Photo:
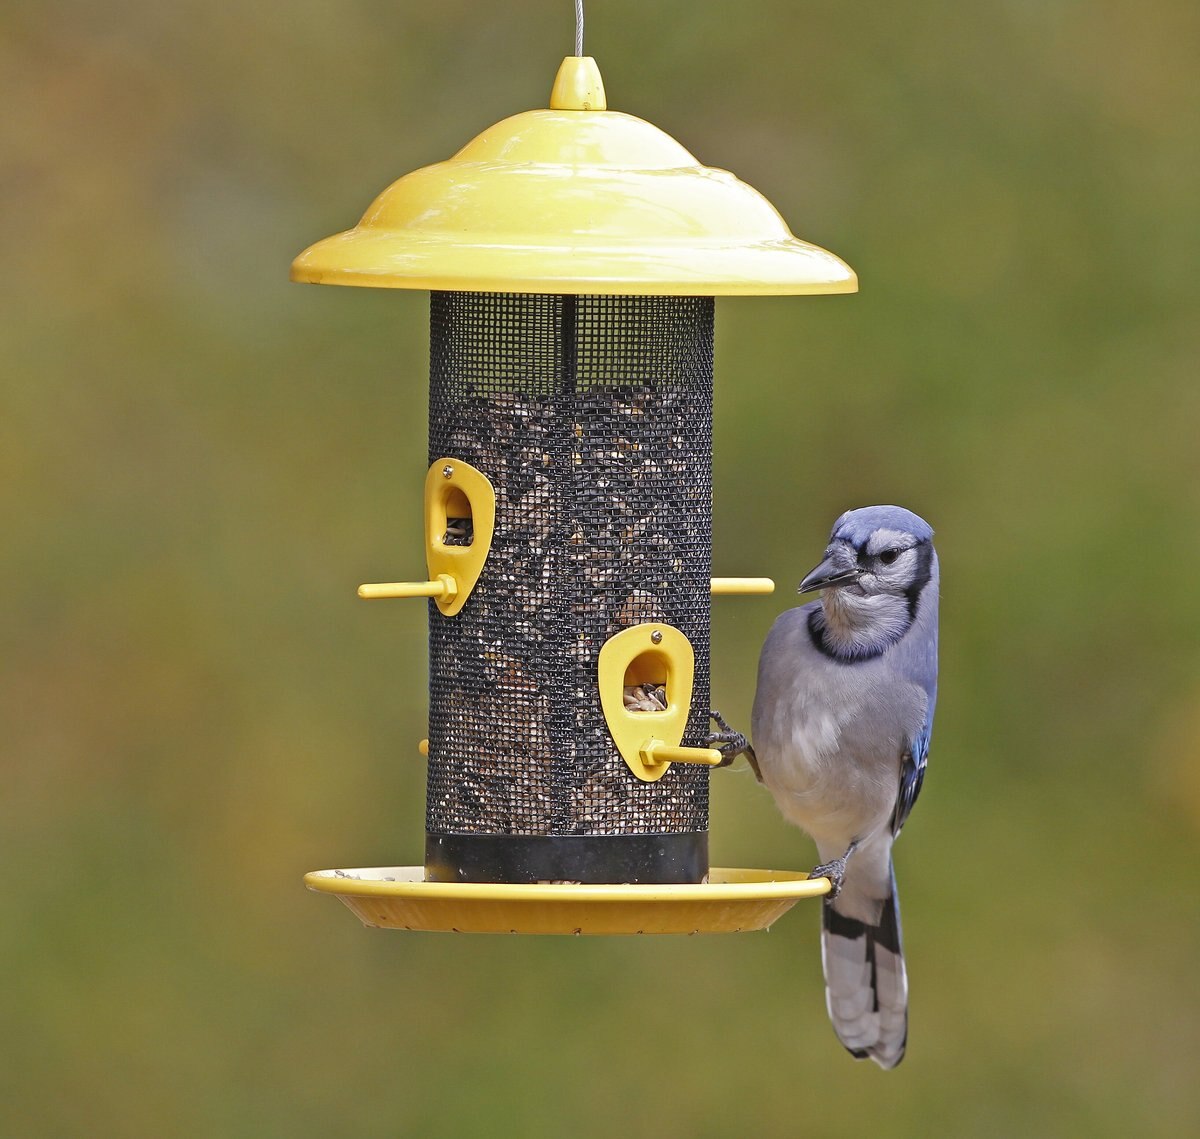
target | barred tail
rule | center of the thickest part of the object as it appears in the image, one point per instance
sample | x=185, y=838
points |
x=866, y=986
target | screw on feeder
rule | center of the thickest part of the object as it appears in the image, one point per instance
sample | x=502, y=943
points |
x=656, y=636
x=447, y=471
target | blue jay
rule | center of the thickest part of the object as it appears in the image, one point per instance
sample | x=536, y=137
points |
x=841, y=725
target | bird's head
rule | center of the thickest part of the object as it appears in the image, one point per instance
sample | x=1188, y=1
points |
x=878, y=565
x=876, y=550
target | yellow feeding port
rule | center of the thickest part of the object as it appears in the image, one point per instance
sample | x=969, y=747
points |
x=574, y=199
x=460, y=518
x=645, y=675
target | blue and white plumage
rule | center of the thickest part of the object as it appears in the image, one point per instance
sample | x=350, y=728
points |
x=842, y=719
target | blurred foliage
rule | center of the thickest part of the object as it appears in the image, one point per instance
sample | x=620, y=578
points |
x=199, y=461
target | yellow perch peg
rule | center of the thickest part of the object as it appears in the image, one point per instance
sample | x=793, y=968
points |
x=423, y=747
x=655, y=751
x=742, y=585
x=443, y=586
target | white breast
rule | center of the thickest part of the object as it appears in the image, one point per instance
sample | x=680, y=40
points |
x=828, y=743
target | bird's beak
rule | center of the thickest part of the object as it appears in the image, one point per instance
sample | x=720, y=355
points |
x=828, y=574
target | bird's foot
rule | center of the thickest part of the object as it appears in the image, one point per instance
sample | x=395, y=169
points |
x=835, y=871
x=729, y=743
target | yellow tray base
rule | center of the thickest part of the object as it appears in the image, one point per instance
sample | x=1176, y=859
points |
x=731, y=901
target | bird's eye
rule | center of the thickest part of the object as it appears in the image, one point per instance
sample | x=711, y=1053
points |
x=889, y=556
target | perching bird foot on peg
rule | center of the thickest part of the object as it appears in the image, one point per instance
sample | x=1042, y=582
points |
x=835, y=871
x=731, y=744
x=728, y=742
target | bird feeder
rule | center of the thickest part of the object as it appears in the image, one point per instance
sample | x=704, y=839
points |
x=572, y=255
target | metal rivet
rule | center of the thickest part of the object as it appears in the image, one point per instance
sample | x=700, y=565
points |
x=447, y=471
x=656, y=636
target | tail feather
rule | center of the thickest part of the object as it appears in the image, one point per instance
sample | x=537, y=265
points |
x=866, y=985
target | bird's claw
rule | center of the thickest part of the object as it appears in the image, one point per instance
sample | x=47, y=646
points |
x=729, y=743
x=835, y=871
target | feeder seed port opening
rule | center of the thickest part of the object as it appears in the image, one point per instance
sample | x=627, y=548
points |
x=568, y=228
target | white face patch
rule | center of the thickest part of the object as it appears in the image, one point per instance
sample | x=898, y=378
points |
x=889, y=540
x=859, y=623
x=893, y=560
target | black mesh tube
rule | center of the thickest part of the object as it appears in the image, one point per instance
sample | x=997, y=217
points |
x=592, y=417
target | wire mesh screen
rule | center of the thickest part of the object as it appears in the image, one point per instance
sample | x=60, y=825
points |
x=592, y=417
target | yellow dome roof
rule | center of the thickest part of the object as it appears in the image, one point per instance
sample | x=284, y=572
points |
x=574, y=199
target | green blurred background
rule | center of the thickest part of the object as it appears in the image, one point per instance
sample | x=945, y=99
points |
x=200, y=461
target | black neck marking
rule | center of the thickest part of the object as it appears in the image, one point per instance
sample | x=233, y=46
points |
x=920, y=578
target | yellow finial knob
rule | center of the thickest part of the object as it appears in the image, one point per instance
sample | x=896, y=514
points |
x=578, y=86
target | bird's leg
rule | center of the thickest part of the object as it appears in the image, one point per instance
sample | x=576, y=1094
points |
x=835, y=871
x=731, y=744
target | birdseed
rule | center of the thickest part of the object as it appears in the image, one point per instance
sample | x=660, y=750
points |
x=603, y=521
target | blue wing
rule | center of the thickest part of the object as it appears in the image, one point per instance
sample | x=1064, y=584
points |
x=912, y=771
